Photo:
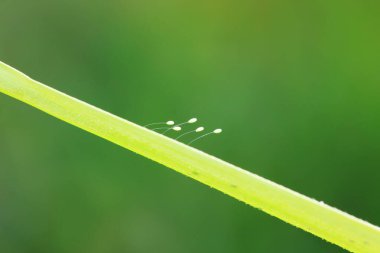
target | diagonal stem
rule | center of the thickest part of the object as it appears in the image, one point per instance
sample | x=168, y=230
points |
x=310, y=215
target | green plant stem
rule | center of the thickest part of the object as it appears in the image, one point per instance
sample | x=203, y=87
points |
x=310, y=215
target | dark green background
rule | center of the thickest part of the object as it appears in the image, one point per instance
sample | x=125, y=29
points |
x=294, y=84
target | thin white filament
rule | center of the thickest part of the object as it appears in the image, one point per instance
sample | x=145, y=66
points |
x=216, y=131
x=199, y=129
x=169, y=123
x=190, y=121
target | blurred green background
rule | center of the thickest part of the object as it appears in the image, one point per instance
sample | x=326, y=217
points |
x=294, y=84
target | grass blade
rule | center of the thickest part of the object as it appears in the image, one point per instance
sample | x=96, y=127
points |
x=317, y=218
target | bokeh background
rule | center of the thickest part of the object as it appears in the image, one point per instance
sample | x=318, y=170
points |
x=294, y=84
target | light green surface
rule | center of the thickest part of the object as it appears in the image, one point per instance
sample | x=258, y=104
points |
x=313, y=216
